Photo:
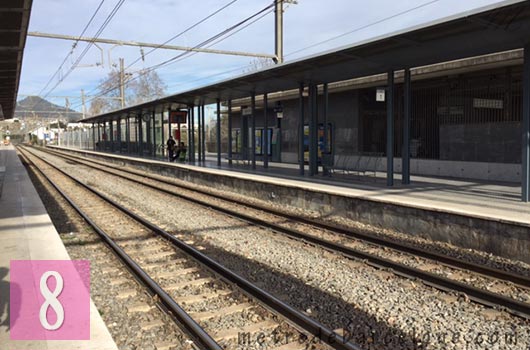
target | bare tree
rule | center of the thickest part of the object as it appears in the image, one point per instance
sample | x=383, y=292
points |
x=98, y=106
x=108, y=95
x=147, y=86
x=257, y=64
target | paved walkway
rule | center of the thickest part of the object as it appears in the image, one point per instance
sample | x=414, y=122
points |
x=496, y=201
x=27, y=233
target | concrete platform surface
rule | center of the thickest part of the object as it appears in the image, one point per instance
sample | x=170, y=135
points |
x=26, y=232
x=487, y=200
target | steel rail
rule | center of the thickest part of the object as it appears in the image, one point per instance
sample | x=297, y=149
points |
x=476, y=294
x=295, y=316
x=192, y=327
x=444, y=259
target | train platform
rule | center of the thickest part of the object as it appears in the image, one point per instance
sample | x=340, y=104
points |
x=500, y=201
x=479, y=215
x=27, y=233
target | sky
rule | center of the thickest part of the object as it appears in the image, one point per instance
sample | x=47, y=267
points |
x=309, y=28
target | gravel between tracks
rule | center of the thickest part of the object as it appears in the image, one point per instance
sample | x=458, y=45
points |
x=83, y=243
x=378, y=305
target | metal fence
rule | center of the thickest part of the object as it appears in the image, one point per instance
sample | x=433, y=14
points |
x=79, y=139
x=468, y=117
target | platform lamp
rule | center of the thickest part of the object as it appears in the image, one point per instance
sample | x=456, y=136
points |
x=278, y=109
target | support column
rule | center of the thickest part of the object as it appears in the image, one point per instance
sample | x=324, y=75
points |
x=163, y=141
x=301, y=122
x=390, y=130
x=229, y=132
x=192, y=150
x=169, y=122
x=108, y=143
x=253, y=130
x=153, y=116
x=189, y=133
x=218, y=132
x=118, y=133
x=99, y=136
x=326, y=147
x=93, y=137
x=525, y=161
x=265, y=133
x=140, y=139
x=128, y=133
x=148, y=135
x=105, y=136
x=199, y=133
x=313, y=132
x=405, y=151
x=203, y=135
x=111, y=135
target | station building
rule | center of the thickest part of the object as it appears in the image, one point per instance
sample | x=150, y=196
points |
x=465, y=120
x=450, y=98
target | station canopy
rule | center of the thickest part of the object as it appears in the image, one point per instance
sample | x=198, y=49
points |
x=494, y=28
x=14, y=19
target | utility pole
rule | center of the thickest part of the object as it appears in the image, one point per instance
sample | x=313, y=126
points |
x=83, y=102
x=278, y=21
x=122, y=83
x=278, y=32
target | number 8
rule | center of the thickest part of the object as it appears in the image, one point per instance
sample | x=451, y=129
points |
x=51, y=300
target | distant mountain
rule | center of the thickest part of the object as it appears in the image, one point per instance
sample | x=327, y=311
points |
x=33, y=106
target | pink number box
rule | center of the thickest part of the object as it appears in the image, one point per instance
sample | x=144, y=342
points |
x=49, y=300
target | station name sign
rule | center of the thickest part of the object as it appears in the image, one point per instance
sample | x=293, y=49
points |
x=246, y=111
x=178, y=117
x=488, y=103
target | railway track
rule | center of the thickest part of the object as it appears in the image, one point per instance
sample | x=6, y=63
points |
x=216, y=307
x=339, y=240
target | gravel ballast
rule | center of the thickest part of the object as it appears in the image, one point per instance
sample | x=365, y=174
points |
x=380, y=310
x=82, y=243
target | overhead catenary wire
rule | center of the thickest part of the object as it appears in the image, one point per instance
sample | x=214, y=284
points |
x=89, y=45
x=70, y=53
x=183, y=32
x=176, y=58
x=363, y=27
x=214, y=38
x=338, y=36
x=171, y=39
x=240, y=68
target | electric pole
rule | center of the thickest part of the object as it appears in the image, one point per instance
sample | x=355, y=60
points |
x=83, y=102
x=278, y=32
x=122, y=83
x=278, y=20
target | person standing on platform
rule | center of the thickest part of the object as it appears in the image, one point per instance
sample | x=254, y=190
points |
x=171, y=148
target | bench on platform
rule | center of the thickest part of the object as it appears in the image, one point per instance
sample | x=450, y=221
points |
x=239, y=158
x=361, y=164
